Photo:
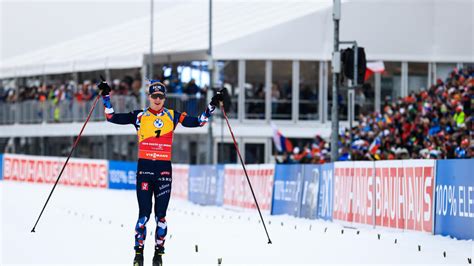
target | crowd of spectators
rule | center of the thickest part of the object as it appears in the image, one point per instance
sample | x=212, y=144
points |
x=436, y=123
x=87, y=89
x=57, y=95
x=68, y=90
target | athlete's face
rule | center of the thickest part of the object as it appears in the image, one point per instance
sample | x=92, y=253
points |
x=157, y=100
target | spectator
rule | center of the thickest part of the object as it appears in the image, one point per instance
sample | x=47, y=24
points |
x=433, y=124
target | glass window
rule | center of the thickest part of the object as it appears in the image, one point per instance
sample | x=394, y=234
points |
x=364, y=98
x=309, y=87
x=341, y=99
x=390, y=88
x=254, y=153
x=226, y=153
x=281, y=90
x=443, y=70
x=255, y=89
x=229, y=79
x=417, y=77
x=468, y=65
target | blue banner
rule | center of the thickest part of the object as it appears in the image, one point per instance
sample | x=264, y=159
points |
x=287, y=189
x=326, y=188
x=122, y=175
x=310, y=190
x=454, y=194
x=204, y=184
x=1, y=166
x=220, y=185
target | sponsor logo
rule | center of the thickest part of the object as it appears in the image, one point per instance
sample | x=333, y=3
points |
x=165, y=173
x=396, y=196
x=39, y=169
x=146, y=173
x=163, y=193
x=144, y=186
x=164, y=186
x=158, y=123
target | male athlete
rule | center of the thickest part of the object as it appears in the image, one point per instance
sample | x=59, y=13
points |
x=155, y=126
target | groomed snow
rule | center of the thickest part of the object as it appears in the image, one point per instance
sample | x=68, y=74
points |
x=94, y=226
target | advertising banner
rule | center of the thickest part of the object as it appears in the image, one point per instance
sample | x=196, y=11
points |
x=287, y=189
x=395, y=194
x=404, y=194
x=39, y=169
x=237, y=191
x=326, y=188
x=179, y=187
x=203, y=184
x=454, y=213
x=1, y=166
x=220, y=184
x=354, y=192
x=310, y=190
x=122, y=175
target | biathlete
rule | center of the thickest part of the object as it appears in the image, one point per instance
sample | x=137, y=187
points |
x=155, y=126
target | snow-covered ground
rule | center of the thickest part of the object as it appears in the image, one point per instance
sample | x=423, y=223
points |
x=94, y=226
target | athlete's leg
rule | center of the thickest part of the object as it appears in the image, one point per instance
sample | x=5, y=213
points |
x=162, y=190
x=144, y=190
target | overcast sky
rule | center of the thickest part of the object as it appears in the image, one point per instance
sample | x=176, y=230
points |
x=29, y=25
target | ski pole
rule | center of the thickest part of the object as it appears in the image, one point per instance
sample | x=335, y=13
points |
x=67, y=160
x=245, y=170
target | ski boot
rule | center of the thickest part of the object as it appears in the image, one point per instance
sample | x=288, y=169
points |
x=157, y=260
x=138, y=260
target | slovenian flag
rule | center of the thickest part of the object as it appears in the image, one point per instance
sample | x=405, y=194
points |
x=281, y=143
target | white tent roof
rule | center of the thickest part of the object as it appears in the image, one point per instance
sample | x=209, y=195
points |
x=392, y=30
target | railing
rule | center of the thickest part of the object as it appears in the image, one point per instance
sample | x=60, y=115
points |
x=308, y=110
x=255, y=108
x=72, y=110
x=281, y=109
x=192, y=105
x=66, y=111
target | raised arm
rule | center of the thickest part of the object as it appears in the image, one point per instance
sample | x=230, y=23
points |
x=121, y=119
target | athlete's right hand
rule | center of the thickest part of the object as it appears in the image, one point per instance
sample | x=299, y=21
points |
x=104, y=87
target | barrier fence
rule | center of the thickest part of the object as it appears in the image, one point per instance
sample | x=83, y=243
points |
x=432, y=196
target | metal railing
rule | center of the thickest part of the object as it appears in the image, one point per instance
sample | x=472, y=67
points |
x=190, y=104
x=255, y=108
x=72, y=110
x=308, y=110
x=281, y=109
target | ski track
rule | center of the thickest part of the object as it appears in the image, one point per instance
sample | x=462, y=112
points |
x=96, y=226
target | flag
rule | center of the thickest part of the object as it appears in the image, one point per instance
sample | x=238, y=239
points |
x=280, y=141
x=375, y=145
x=374, y=67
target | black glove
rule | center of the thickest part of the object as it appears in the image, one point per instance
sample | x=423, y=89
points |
x=218, y=97
x=104, y=87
